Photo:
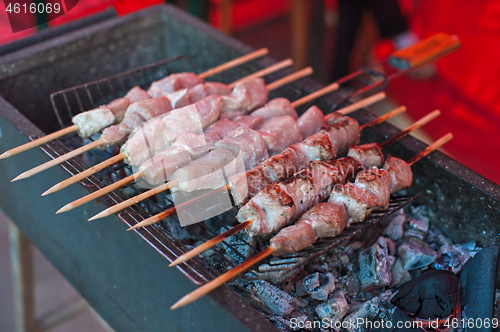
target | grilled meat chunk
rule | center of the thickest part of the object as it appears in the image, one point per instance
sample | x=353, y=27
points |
x=378, y=182
x=343, y=134
x=328, y=173
x=359, y=201
x=303, y=191
x=248, y=184
x=314, y=147
x=281, y=166
x=400, y=172
x=369, y=155
x=269, y=210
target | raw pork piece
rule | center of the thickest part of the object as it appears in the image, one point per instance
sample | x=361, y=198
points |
x=280, y=132
x=245, y=97
x=196, y=145
x=222, y=127
x=276, y=107
x=249, y=121
x=174, y=82
x=162, y=166
x=207, y=89
x=311, y=121
x=135, y=116
x=205, y=172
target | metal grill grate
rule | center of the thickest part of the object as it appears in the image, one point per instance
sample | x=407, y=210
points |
x=74, y=100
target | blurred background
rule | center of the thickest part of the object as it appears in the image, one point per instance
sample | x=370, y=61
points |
x=336, y=37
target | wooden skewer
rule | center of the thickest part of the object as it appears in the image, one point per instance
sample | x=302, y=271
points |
x=85, y=174
x=223, y=278
x=135, y=199
x=225, y=66
x=210, y=243
x=234, y=63
x=58, y=160
x=100, y=192
x=169, y=212
x=39, y=141
x=315, y=95
x=431, y=148
x=119, y=157
x=363, y=103
x=383, y=118
x=264, y=72
x=188, y=255
x=213, y=284
x=417, y=124
x=290, y=78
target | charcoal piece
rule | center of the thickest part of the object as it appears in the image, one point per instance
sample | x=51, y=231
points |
x=278, y=302
x=335, y=309
x=431, y=295
x=375, y=266
x=414, y=233
x=419, y=223
x=395, y=228
x=477, y=286
x=415, y=255
x=281, y=324
x=311, y=282
x=453, y=257
x=327, y=285
x=399, y=274
x=375, y=315
x=387, y=220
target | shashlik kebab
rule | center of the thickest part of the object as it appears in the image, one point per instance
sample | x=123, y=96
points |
x=279, y=203
x=370, y=191
x=343, y=130
x=89, y=122
x=245, y=95
x=188, y=146
x=252, y=147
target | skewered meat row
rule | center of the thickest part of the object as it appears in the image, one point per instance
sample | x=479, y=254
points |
x=90, y=122
x=348, y=203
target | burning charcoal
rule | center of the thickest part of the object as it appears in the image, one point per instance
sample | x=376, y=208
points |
x=395, y=228
x=387, y=220
x=414, y=233
x=240, y=243
x=375, y=266
x=431, y=295
x=453, y=257
x=399, y=274
x=278, y=302
x=335, y=309
x=415, y=254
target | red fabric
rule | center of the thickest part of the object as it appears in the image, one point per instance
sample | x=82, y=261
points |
x=467, y=89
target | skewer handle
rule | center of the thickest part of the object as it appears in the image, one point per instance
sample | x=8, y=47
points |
x=100, y=192
x=58, y=160
x=234, y=63
x=426, y=119
x=434, y=146
x=362, y=103
x=212, y=242
x=85, y=174
x=136, y=199
x=171, y=211
x=213, y=284
x=264, y=72
x=290, y=78
x=383, y=118
x=321, y=92
x=39, y=141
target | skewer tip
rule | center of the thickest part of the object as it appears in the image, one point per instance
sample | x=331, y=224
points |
x=20, y=177
x=4, y=155
x=182, y=302
x=65, y=208
x=99, y=215
x=51, y=190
